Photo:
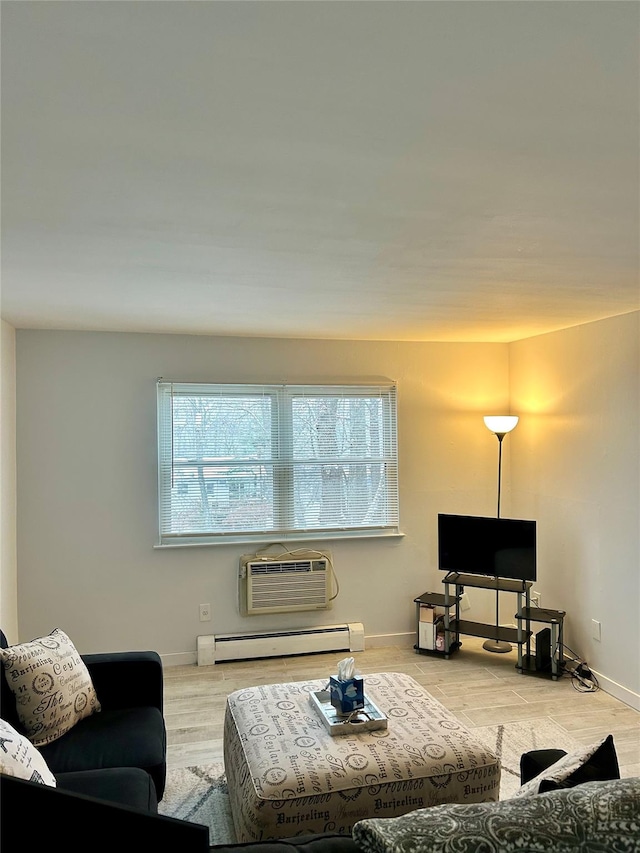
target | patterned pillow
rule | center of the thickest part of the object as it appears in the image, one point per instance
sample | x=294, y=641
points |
x=597, y=762
x=597, y=816
x=52, y=686
x=20, y=758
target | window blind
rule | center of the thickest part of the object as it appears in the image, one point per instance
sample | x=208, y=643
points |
x=260, y=462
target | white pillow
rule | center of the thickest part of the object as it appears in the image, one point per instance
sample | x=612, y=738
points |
x=52, y=686
x=20, y=758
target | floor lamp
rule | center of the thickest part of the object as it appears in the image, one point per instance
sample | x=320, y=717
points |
x=499, y=425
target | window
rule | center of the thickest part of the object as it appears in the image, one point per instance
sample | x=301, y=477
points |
x=242, y=463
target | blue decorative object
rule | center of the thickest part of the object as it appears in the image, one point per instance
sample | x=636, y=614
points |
x=346, y=696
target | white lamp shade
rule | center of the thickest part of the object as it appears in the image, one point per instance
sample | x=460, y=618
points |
x=501, y=424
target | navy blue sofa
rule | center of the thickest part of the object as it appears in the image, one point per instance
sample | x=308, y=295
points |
x=118, y=754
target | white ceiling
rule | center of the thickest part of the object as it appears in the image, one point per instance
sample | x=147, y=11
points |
x=364, y=170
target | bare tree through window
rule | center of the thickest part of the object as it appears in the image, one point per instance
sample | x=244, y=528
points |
x=264, y=460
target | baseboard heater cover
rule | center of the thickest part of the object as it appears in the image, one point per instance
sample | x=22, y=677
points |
x=216, y=648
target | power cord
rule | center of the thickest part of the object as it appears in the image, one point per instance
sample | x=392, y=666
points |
x=582, y=678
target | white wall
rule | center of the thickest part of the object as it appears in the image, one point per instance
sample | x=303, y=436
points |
x=8, y=560
x=578, y=472
x=87, y=482
x=86, y=403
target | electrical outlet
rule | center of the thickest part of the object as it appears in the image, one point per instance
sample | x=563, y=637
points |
x=535, y=598
x=465, y=604
x=205, y=612
x=596, y=630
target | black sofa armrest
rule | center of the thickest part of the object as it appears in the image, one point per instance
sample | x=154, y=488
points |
x=536, y=761
x=126, y=679
x=39, y=817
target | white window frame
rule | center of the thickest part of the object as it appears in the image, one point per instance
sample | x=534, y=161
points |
x=284, y=526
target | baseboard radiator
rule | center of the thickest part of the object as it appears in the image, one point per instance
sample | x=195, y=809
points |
x=216, y=648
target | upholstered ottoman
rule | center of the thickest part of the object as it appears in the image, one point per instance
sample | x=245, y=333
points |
x=288, y=776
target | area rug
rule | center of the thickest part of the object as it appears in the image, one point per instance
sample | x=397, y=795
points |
x=510, y=740
x=200, y=795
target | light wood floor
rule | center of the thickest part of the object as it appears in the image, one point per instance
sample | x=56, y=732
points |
x=481, y=688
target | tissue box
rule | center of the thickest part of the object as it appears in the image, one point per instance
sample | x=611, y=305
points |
x=346, y=696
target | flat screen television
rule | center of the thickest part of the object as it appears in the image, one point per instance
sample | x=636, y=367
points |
x=475, y=545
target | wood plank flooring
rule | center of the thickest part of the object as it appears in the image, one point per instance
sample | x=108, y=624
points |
x=479, y=687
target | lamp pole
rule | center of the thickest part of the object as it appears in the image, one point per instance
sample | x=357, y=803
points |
x=499, y=426
x=499, y=436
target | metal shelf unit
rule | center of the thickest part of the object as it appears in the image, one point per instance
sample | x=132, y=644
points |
x=520, y=636
x=456, y=626
x=435, y=599
x=554, y=618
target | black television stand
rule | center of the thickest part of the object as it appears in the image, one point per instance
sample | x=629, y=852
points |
x=455, y=626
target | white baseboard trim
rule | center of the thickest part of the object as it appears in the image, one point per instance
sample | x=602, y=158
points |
x=379, y=641
x=179, y=659
x=618, y=691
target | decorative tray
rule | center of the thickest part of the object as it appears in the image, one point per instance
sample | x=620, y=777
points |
x=366, y=719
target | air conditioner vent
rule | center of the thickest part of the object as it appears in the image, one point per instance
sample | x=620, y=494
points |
x=283, y=586
x=267, y=568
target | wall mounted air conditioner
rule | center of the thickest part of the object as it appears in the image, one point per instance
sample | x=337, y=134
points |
x=283, y=586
